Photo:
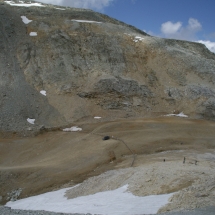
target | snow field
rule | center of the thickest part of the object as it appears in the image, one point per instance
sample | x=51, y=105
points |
x=74, y=128
x=97, y=117
x=33, y=34
x=31, y=121
x=138, y=39
x=43, y=92
x=179, y=115
x=87, y=21
x=22, y=4
x=26, y=20
x=114, y=202
x=59, y=8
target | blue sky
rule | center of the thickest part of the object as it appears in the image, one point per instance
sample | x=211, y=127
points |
x=192, y=20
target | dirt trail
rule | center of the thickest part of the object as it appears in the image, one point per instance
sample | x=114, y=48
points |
x=58, y=159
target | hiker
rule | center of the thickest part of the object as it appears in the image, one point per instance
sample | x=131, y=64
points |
x=184, y=160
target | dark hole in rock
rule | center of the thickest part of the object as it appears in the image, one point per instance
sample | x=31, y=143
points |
x=106, y=138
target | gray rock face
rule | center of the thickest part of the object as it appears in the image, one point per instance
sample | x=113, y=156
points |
x=196, y=92
x=14, y=195
x=94, y=67
x=119, y=93
x=209, y=108
x=19, y=100
x=123, y=87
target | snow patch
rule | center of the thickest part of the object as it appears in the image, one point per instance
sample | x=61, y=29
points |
x=43, y=92
x=22, y=4
x=60, y=8
x=25, y=19
x=31, y=121
x=87, y=21
x=33, y=34
x=74, y=128
x=97, y=117
x=114, y=202
x=179, y=115
x=137, y=39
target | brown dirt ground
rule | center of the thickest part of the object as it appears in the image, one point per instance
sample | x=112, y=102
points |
x=58, y=159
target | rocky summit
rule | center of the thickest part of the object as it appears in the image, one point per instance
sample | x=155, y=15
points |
x=59, y=65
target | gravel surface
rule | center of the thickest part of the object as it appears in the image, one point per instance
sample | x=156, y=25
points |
x=203, y=211
x=8, y=211
x=192, y=184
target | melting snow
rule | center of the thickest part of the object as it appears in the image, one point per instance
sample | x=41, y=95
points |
x=60, y=8
x=31, y=121
x=88, y=21
x=114, y=202
x=179, y=115
x=33, y=34
x=97, y=117
x=137, y=39
x=22, y=4
x=74, y=128
x=25, y=19
x=43, y=92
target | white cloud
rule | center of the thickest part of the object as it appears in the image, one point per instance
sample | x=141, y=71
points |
x=91, y=4
x=169, y=28
x=194, y=24
x=210, y=45
x=177, y=31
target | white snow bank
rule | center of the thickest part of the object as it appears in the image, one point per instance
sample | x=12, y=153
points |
x=88, y=21
x=33, y=34
x=97, y=117
x=43, y=92
x=179, y=115
x=31, y=121
x=25, y=19
x=22, y=4
x=115, y=202
x=74, y=128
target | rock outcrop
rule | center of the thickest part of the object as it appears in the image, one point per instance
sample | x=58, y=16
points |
x=90, y=64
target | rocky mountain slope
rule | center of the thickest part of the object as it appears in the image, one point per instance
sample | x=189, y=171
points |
x=90, y=64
